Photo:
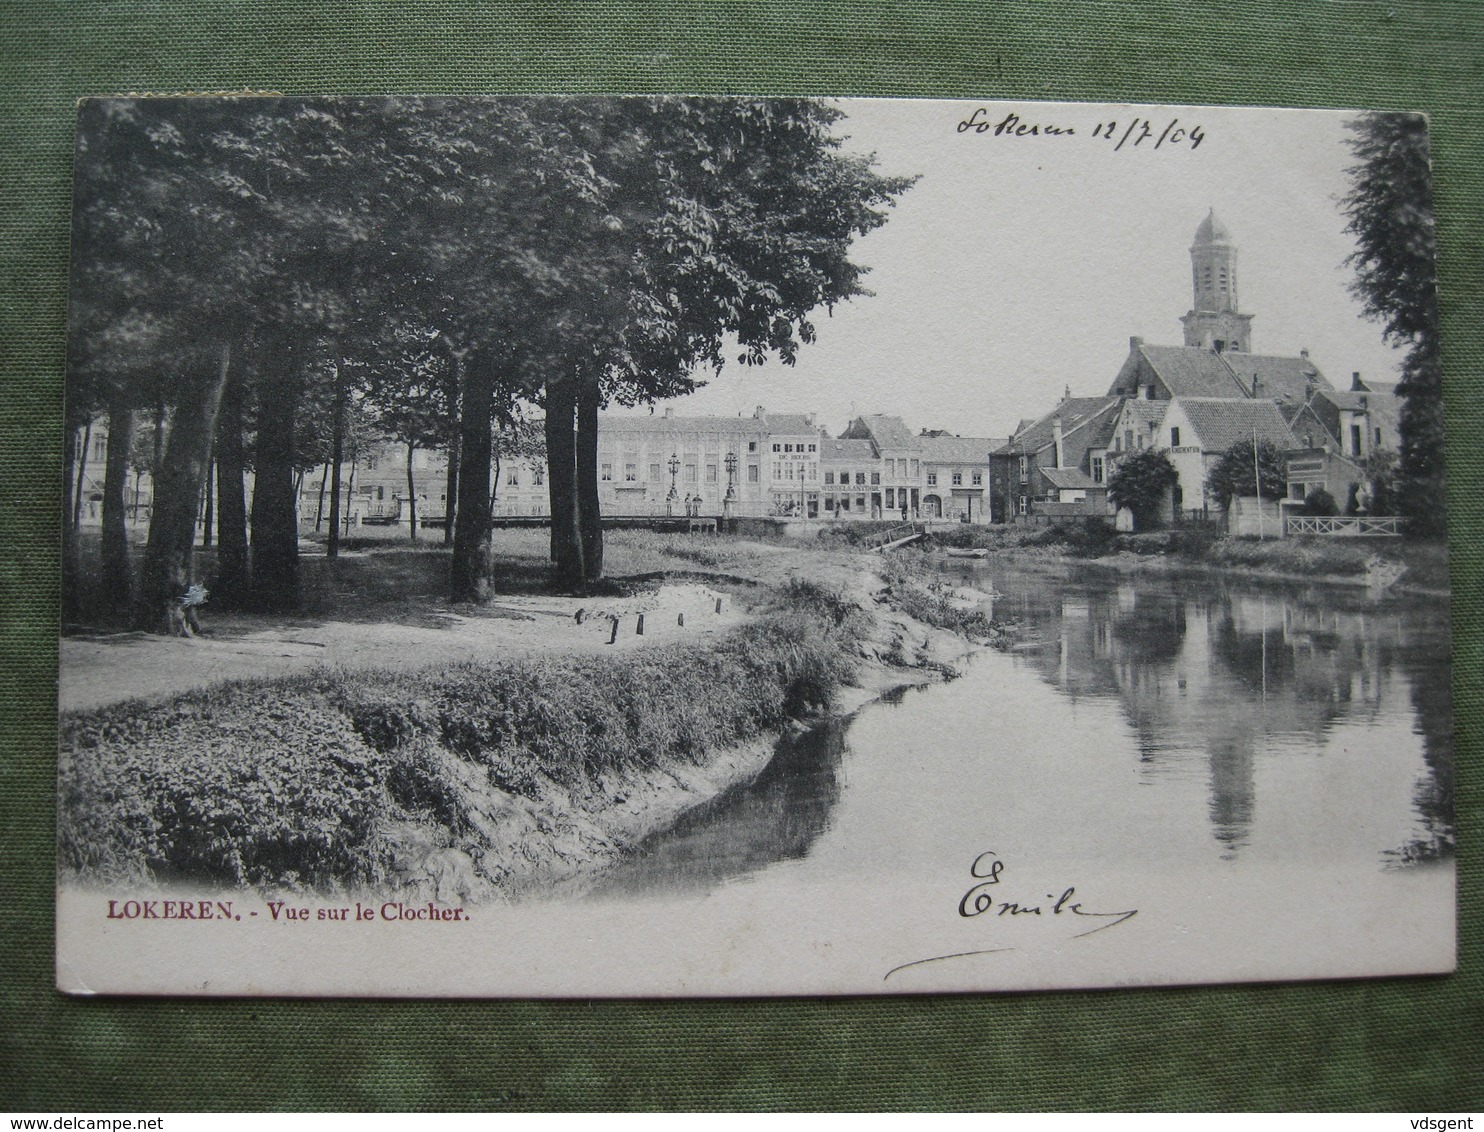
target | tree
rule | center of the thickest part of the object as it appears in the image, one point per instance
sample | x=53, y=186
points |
x=1390, y=213
x=1234, y=475
x=1142, y=482
x=1320, y=502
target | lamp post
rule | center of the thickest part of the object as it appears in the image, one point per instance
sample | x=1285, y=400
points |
x=674, y=495
x=731, y=496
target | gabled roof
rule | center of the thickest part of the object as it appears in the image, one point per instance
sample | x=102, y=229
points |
x=887, y=432
x=788, y=424
x=1278, y=378
x=1144, y=412
x=1190, y=371
x=840, y=451
x=1076, y=413
x=958, y=449
x=1070, y=478
x=1221, y=422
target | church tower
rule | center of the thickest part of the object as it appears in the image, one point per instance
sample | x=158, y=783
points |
x=1214, y=322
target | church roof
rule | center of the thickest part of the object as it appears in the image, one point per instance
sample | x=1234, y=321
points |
x=1192, y=371
x=1278, y=378
x=1222, y=422
x=1212, y=231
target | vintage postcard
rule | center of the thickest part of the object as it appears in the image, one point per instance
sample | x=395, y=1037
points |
x=695, y=546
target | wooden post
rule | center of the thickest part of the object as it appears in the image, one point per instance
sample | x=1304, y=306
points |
x=639, y=627
x=614, y=637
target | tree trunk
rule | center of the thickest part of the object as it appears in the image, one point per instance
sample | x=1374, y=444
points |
x=208, y=517
x=319, y=507
x=589, y=515
x=337, y=457
x=451, y=487
x=411, y=493
x=470, y=574
x=70, y=491
x=275, y=535
x=158, y=458
x=82, y=474
x=115, y=582
x=184, y=466
x=561, y=465
x=230, y=584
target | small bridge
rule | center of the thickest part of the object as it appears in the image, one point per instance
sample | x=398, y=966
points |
x=893, y=537
x=674, y=524
x=1345, y=526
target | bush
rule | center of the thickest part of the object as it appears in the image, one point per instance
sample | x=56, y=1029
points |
x=1320, y=502
x=295, y=783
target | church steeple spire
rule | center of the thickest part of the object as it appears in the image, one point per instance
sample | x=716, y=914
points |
x=1215, y=321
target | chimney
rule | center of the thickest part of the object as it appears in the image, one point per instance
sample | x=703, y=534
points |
x=1356, y=385
x=1254, y=387
x=669, y=412
x=809, y=419
x=760, y=414
x=1056, y=435
x=1134, y=342
x=1304, y=353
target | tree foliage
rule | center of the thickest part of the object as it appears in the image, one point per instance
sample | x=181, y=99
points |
x=1389, y=209
x=1141, y=482
x=1234, y=474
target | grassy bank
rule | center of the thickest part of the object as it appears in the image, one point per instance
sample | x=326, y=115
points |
x=1311, y=557
x=339, y=780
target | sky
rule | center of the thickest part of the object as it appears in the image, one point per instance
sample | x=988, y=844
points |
x=1018, y=266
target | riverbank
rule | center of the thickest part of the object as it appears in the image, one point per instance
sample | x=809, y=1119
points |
x=1403, y=565
x=488, y=777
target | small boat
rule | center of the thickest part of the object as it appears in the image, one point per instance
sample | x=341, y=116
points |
x=977, y=552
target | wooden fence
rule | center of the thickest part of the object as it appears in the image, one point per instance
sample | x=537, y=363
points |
x=1345, y=526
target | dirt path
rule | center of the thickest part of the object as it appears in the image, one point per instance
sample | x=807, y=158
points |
x=97, y=671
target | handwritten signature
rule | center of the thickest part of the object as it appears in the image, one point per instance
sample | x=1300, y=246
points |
x=1133, y=132
x=984, y=898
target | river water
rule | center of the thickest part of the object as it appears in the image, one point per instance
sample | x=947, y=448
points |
x=1263, y=774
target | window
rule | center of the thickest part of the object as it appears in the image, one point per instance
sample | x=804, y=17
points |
x=512, y=477
x=100, y=447
x=845, y=503
x=914, y=469
x=710, y=473
x=875, y=478
x=752, y=446
x=1174, y=437
x=370, y=462
x=829, y=502
x=977, y=479
x=777, y=448
x=788, y=471
x=1021, y=507
x=813, y=448
x=690, y=473
x=891, y=497
x=752, y=473
x=631, y=473
x=1097, y=469
x=829, y=479
x=860, y=479
x=1149, y=393
x=1355, y=440
x=932, y=480
x=788, y=447
x=777, y=471
x=1378, y=438
x=538, y=475
x=607, y=471
x=654, y=472
x=1128, y=439
x=958, y=479
x=860, y=502
x=1025, y=470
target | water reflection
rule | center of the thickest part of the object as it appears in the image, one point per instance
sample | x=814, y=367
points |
x=776, y=817
x=1241, y=674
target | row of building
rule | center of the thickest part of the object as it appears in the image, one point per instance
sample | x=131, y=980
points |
x=1194, y=401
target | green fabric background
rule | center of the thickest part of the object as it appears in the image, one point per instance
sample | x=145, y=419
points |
x=1410, y=1044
